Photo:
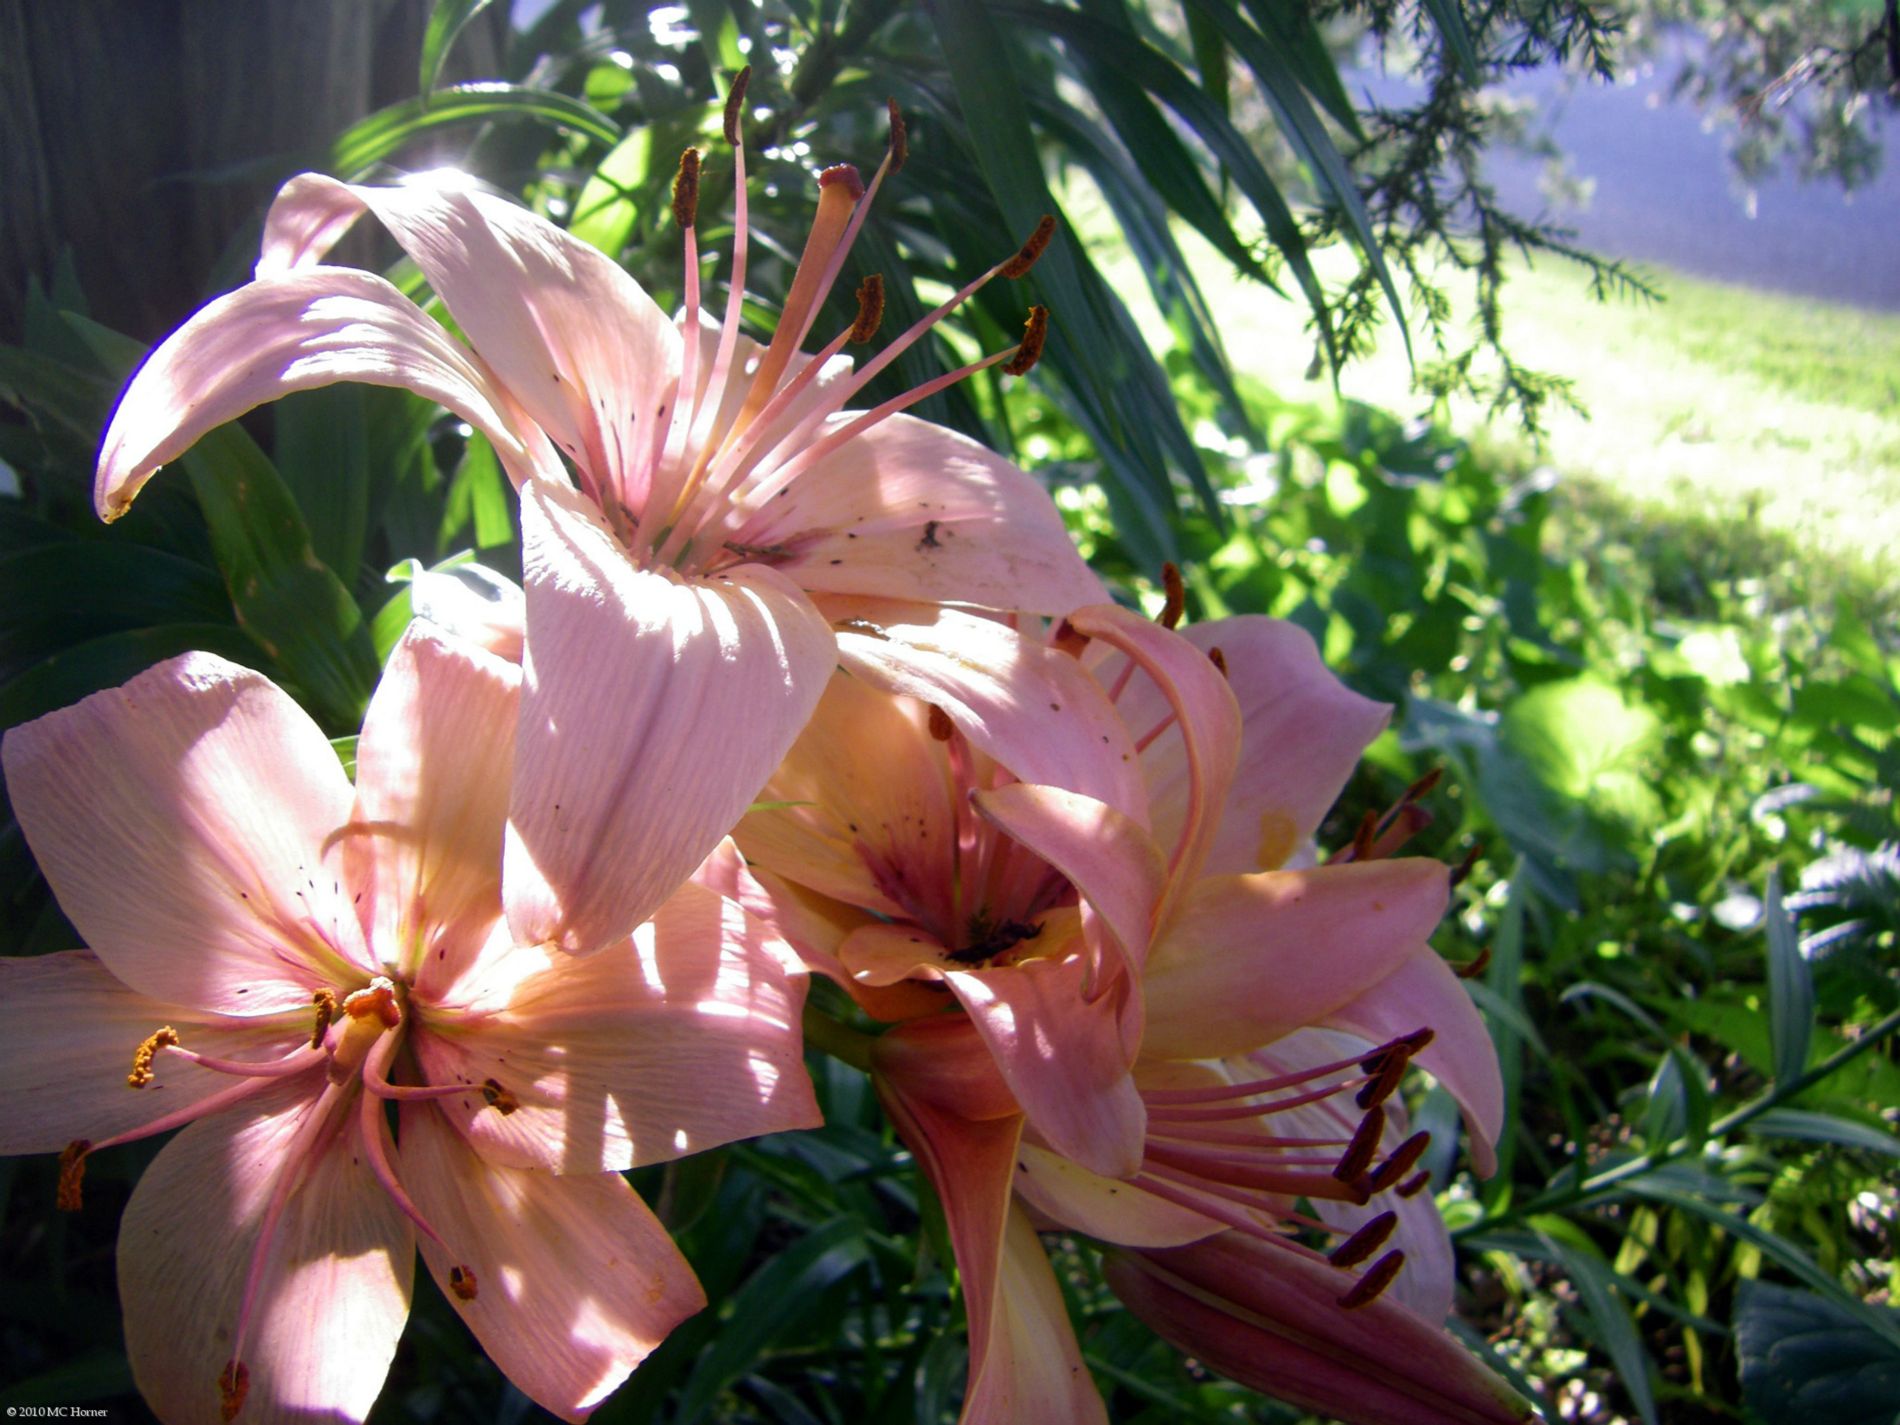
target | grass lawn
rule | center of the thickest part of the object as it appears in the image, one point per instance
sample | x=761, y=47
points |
x=1717, y=404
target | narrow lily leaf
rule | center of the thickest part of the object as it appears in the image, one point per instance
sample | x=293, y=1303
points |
x=1790, y=988
x=446, y=21
x=106, y=662
x=291, y=604
x=322, y=451
x=1504, y=979
x=1598, y=1284
x=1210, y=58
x=1825, y=1128
x=1293, y=33
x=373, y=139
x=1449, y=16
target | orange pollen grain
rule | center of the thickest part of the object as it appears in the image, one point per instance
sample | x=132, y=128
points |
x=735, y=97
x=686, y=189
x=142, y=1057
x=324, y=1001
x=234, y=1383
x=1035, y=333
x=1032, y=248
x=900, y=136
x=1174, y=596
x=379, y=999
x=498, y=1098
x=870, y=309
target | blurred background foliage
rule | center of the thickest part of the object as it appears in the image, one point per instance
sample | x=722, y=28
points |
x=1668, y=743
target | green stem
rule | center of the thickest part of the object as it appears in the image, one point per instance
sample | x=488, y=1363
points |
x=1609, y=1178
x=838, y=1040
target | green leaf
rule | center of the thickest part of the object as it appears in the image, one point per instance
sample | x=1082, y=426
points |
x=372, y=139
x=1804, y=1359
x=84, y=668
x=1790, y=988
x=1449, y=16
x=446, y=21
x=1825, y=1128
x=1585, y=742
x=291, y=603
x=604, y=213
x=322, y=450
x=1597, y=1285
x=775, y=1300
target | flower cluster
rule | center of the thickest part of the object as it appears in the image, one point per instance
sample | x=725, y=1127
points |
x=793, y=687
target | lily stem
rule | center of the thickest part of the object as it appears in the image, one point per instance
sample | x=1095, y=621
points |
x=1609, y=1178
x=836, y=1039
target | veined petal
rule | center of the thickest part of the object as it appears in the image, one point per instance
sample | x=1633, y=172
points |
x=1250, y=958
x=1110, y=1209
x=1031, y=708
x=1302, y=732
x=291, y=333
x=1423, y=992
x=576, y=1281
x=1207, y=724
x=866, y=815
x=1109, y=857
x=910, y=510
x=1064, y=1057
x=577, y=342
x=335, y=1287
x=68, y=1029
x=1030, y=1367
x=432, y=777
x=683, y=1038
x=654, y=709
x=183, y=821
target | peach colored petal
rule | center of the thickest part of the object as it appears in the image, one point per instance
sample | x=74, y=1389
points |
x=575, y=1280
x=653, y=710
x=331, y=1302
x=1110, y=1209
x=433, y=769
x=1250, y=958
x=182, y=820
x=1030, y=1367
x=683, y=1038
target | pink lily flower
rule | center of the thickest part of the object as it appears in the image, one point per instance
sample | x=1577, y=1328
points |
x=722, y=496
x=1241, y=956
x=277, y=956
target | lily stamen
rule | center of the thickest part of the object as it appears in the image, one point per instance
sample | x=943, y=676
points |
x=1369, y=1287
x=1370, y=1237
x=234, y=1385
x=68, y=1196
x=141, y=1075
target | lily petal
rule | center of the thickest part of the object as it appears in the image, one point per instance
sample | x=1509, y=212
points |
x=910, y=510
x=68, y=1029
x=1250, y=958
x=586, y=352
x=654, y=709
x=1423, y=992
x=1031, y=1367
x=1302, y=732
x=331, y=1301
x=292, y=333
x=182, y=821
x=1031, y=708
x=683, y=1038
x=433, y=771
x=1110, y=1209
x=575, y=1280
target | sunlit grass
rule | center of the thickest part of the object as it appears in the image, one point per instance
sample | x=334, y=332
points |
x=1720, y=403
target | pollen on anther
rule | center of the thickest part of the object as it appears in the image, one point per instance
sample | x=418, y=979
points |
x=1218, y=659
x=900, y=136
x=734, y=98
x=1032, y=248
x=1358, y=1155
x=234, y=1383
x=462, y=1282
x=72, y=1174
x=941, y=727
x=870, y=309
x=686, y=189
x=147, y=1051
x=1035, y=333
x=1367, y=1289
x=324, y=1001
x=1403, y=1158
x=1363, y=1243
x=1174, y=596
x=498, y=1098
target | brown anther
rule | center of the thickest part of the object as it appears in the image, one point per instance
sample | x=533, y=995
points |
x=1366, y=1290
x=735, y=96
x=1463, y=869
x=900, y=136
x=462, y=1282
x=142, y=1056
x=1032, y=248
x=234, y=1383
x=1413, y=1185
x=1218, y=659
x=1422, y=786
x=846, y=174
x=941, y=727
x=498, y=1098
x=1035, y=333
x=324, y=1002
x=1362, y=838
x=1067, y=640
x=1385, y=1082
x=686, y=189
x=1471, y=969
x=1420, y=1039
x=72, y=1174
x=1173, y=596
x=379, y=999
x=1363, y=1243
x=1358, y=1155
x=1404, y=1158
x=870, y=309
